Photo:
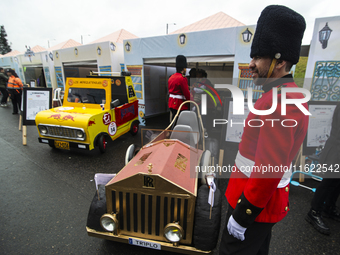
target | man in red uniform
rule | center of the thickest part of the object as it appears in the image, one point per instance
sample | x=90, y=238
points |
x=178, y=87
x=257, y=191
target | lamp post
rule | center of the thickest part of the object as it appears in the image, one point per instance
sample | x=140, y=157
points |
x=246, y=35
x=48, y=42
x=167, y=26
x=82, y=38
x=324, y=35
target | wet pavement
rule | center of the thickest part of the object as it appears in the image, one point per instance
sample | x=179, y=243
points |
x=46, y=194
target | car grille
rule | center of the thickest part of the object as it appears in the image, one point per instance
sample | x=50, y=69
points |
x=61, y=132
x=146, y=215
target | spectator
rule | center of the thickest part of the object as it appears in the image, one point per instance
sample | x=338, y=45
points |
x=15, y=88
x=3, y=83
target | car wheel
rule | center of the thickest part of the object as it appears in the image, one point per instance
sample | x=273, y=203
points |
x=204, y=165
x=134, y=128
x=131, y=151
x=207, y=229
x=102, y=144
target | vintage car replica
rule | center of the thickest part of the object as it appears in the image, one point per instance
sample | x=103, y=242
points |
x=93, y=111
x=165, y=197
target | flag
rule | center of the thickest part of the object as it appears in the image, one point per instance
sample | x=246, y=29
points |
x=102, y=179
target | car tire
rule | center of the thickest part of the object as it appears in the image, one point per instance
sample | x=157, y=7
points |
x=102, y=144
x=134, y=127
x=204, y=165
x=206, y=229
x=131, y=151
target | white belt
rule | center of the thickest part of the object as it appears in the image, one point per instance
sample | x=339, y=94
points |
x=177, y=96
x=246, y=165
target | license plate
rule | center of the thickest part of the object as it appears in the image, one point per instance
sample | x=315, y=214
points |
x=62, y=145
x=145, y=244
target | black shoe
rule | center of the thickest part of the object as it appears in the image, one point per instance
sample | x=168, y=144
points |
x=332, y=213
x=14, y=113
x=316, y=220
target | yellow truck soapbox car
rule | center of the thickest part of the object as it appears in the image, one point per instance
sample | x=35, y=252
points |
x=93, y=111
x=165, y=197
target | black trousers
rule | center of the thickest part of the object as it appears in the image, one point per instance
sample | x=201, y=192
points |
x=326, y=194
x=257, y=239
x=4, y=95
x=16, y=99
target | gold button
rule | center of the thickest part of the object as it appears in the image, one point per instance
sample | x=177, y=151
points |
x=286, y=208
x=287, y=189
x=239, y=201
x=248, y=211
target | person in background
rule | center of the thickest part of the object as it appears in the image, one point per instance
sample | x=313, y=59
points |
x=327, y=193
x=178, y=87
x=14, y=86
x=41, y=80
x=257, y=199
x=3, y=83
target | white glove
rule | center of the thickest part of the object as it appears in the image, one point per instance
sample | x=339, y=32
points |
x=235, y=229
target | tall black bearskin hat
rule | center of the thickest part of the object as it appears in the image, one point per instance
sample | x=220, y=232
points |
x=278, y=34
x=181, y=62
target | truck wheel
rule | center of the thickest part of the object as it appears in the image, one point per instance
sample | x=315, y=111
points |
x=131, y=151
x=134, y=127
x=102, y=144
x=206, y=230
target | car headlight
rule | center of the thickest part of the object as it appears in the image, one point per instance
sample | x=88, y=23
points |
x=43, y=130
x=173, y=232
x=80, y=134
x=109, y=222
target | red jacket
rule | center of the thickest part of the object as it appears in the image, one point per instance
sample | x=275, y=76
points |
x=258, y=197
x=178, y=86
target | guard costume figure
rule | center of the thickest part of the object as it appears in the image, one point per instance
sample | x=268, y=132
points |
x=257, y=192
x=178, y=87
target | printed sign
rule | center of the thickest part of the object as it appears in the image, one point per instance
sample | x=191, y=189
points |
x=112, y=128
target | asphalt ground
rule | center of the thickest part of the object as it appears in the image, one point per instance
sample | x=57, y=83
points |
x=46, y=194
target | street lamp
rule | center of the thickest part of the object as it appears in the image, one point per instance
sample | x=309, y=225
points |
x=246, y=35
x=167, y=26
x=82, y=38
x=182, y=39
x=127, y=46
x=324, y=35
x=48, y=42
x=112, y=46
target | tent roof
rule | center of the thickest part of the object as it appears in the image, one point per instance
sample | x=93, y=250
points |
x=67, y=44
x=218, y=20
x=38, y=48
x=117, y=37
x=12, y=53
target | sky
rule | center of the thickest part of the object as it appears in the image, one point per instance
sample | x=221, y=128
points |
x=43, y=22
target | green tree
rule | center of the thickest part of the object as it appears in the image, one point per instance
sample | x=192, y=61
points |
x=4, y=47
x=300, y=71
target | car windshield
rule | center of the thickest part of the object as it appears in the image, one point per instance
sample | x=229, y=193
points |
x=86, y=95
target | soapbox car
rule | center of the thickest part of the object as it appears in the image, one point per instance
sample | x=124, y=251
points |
x=165, y=197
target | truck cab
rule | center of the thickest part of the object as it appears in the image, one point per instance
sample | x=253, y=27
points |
x=94, y=109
